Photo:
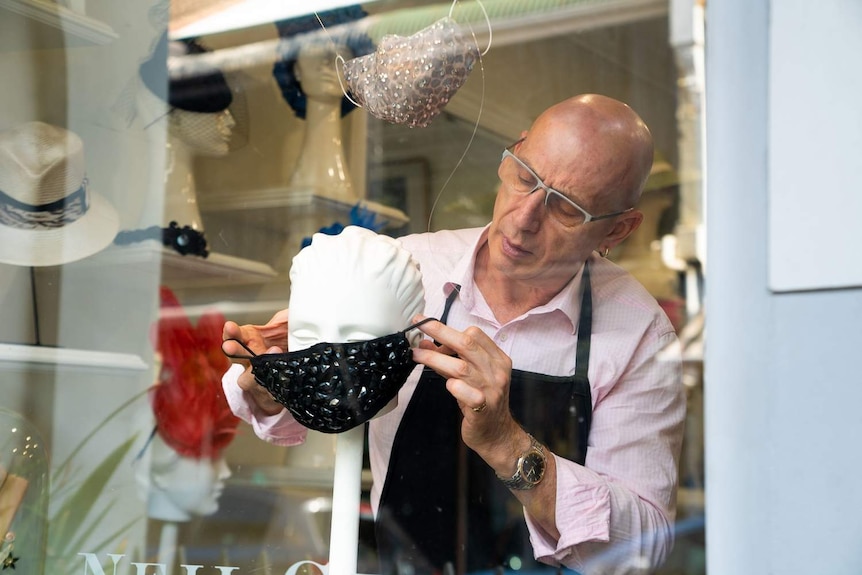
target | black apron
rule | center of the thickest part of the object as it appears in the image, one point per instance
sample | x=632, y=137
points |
x=442, y=509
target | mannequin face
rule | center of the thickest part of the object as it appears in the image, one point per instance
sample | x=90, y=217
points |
x=315, y=70
x=208, y=134
x=344, y=297
x=182, y=487
x=345, y=312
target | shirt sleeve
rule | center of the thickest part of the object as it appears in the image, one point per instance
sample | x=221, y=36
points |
x=279, y=429
x=616, y=513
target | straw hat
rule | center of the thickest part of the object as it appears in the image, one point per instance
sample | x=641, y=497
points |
x=48, y=214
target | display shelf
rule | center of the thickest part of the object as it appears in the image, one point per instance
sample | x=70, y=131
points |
x=44, y=24
x=300, y=204
x=217, y=269
x=290, y=476
x=236, y=309
x=186, y=270
x=16, y=355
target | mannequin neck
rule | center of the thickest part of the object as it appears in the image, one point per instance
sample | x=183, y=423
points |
x=171, y=155
x=160, y=506
x=181, y=203
x=321, y=169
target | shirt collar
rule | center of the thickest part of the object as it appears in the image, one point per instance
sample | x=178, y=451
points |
x=461, y=276
x=567, y=301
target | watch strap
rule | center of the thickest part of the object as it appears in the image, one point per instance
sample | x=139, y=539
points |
x=518, y=481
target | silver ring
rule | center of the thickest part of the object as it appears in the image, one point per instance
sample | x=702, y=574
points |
x=480, y=409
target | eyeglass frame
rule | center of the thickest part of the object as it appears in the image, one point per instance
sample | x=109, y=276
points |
x=588, y=217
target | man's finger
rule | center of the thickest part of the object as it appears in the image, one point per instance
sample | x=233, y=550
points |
x=465, y=393
x=461, y=342
x=446, y=365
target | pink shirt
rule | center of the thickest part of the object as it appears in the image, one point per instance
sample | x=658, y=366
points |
x=624, y=499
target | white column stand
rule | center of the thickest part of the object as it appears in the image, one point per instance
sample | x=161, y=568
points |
x=346, y=492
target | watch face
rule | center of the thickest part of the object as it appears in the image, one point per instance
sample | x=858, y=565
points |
x=533, y=467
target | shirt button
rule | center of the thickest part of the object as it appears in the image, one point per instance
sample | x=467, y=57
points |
x=503, y=337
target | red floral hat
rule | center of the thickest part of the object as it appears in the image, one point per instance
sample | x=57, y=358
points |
x=192, y=413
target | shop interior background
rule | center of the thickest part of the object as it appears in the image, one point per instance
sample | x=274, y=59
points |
x=77, y=345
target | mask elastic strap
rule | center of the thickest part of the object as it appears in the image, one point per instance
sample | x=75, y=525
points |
x=244, y=346
x=487, y=20
x=415, y=325
x=340, y=58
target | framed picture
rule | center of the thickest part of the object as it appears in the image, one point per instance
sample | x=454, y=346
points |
x=402, y=184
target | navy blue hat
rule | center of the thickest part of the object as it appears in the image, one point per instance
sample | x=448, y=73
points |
x=206, y=92
x=359, y=44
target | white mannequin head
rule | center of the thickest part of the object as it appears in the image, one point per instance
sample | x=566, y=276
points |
x=315, y=70
x=178, y=488
x=204, y=133
x=355, y=286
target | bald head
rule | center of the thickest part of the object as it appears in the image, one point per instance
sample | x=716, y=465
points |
x=601, y=143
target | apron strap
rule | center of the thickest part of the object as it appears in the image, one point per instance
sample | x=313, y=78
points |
x=585, y=327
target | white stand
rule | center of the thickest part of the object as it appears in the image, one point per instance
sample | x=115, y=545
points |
x=181, y=203
x=346, y=491
x=168, y=546
x=321, y=169
x=188, y=134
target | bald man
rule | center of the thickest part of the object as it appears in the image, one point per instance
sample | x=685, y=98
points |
x=545, y=427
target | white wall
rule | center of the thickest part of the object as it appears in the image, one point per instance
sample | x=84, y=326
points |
x=814, y=56
x=782, y=381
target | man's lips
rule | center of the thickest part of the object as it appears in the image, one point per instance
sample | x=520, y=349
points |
x=514, y=250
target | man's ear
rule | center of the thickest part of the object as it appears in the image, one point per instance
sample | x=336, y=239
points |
x=623, y=228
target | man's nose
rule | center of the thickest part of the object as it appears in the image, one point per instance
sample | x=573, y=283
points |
x=531, y=210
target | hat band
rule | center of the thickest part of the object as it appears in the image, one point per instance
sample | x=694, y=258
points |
x=64, y=211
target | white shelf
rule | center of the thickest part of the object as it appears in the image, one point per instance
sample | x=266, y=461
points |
x=299, y=204
x=186, y=271
x=179, y=270
x=43, y=24
x=17, y=355
x=290, y=476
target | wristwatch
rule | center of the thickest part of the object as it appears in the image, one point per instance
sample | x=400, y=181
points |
x=530, y=468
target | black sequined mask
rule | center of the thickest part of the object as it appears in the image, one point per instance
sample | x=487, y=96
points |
x=334, y=387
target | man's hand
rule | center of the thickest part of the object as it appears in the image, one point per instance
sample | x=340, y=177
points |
x=478, y=375
x=269, y=338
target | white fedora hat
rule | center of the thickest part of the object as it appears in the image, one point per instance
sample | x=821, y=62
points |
x=48, y=214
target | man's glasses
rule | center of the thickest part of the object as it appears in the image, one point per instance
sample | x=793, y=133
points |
x=521, y=181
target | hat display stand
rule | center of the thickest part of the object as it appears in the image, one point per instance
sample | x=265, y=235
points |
x=309, y=82
x=183, y=118
x=321, y=169
x=37, y=335
x=51, y=215
x=31, y=342
x=175, y=138
x=29, y=328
